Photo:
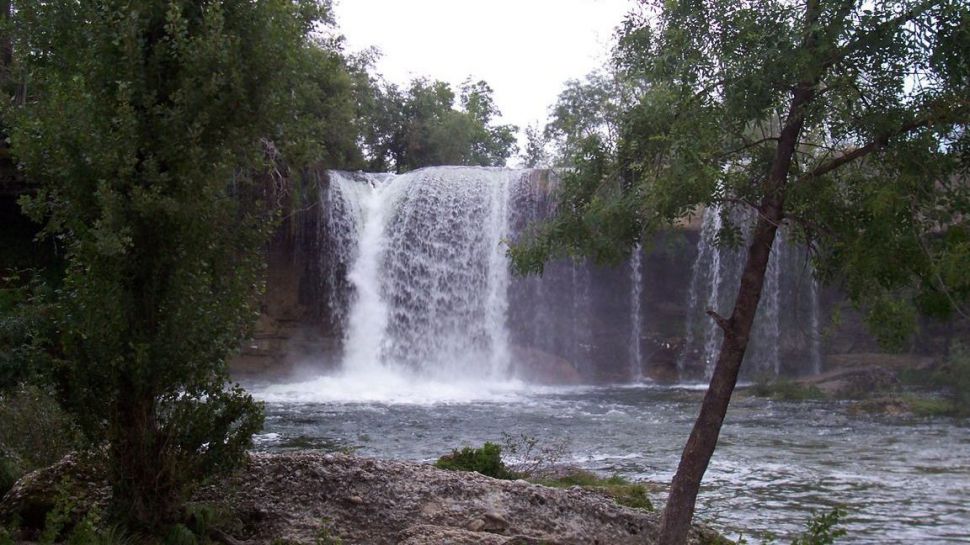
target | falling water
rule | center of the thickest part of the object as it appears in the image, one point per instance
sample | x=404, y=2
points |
x=341, y=220
x=636, y=289
x=415, y=283
x=704, y=295
x=815, y=332
x=431, y=277
x=782, y=312
x=767, y=329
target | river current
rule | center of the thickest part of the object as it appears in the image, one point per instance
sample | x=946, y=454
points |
x=901, y=480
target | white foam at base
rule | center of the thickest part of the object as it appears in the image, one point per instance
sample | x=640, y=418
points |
x=394, y=388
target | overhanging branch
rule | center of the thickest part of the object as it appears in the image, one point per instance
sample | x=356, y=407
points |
x=881, y=141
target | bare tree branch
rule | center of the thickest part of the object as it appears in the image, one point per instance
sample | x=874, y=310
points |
x=722, y=322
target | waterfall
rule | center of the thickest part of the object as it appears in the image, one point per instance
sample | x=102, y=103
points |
x=766, y=333
x=784, y=338
x=816, y=341
x=415, y=289
x=636, y=327
x=430, y=275
x=417, y=279
x=704, y=295
x=340, y=224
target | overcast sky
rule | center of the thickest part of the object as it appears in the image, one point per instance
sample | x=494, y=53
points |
x=524, y=49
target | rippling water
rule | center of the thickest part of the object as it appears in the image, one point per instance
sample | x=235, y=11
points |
x=904, y=481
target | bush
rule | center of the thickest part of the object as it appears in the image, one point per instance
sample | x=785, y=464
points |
x=486, y=460
x=534, y=459
x=10, y=472
x=949, y=385
x=617, y=488
x=34, y=433
x=26, y=329
x=822, y=529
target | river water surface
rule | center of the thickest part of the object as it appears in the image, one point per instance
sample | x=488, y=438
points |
x=902, y=481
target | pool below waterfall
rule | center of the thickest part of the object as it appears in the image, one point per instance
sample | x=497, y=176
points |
x=901, y=480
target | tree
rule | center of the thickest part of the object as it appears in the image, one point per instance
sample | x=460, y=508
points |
x=585, y=109
x=535, y=154
x=156, y=130
x=419, y=127
x=845, y=122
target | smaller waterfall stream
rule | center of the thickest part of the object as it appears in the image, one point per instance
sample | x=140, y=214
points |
x=636, y=327
x=785, y=335
x=367, y=322
x=816, y=333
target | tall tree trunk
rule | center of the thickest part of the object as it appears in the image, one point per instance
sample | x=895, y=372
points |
x=679, y=511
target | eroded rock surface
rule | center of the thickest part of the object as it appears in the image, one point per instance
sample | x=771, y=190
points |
x=302, y=496
x=367, y=501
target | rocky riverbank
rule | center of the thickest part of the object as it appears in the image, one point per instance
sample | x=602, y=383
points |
x=304, y=497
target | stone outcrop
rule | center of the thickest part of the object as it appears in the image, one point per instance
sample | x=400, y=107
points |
x=302, y=496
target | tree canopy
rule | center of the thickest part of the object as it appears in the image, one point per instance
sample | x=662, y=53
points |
x=843, y=122
x=428, y=124
x=154, y=129
x=879, y=173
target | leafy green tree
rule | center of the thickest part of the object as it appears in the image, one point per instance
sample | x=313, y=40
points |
x=490, y=144
x=380, y=114
x=423, y=126
x=325, y=98
x=843, y=121
x=585, y=109
x=156, y=130
x=535, y=154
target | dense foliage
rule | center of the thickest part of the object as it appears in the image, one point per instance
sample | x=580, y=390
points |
x=423, y=126
x=879, y=173
x=151, y=127
x=486, y=460
x=843, y=122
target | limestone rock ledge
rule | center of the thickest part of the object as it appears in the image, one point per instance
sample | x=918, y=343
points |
x=364, y=501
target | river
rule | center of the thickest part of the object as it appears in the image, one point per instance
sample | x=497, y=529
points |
x=901, y=480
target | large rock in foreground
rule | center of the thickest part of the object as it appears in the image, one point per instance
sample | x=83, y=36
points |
x=301, y=497
x=368, y=501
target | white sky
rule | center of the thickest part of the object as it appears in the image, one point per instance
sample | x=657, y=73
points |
x=524, y=49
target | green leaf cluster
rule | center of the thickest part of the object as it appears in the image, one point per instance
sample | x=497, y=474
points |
x=691, y=118
x=428, y=124
x=158, y=132
x=486, y=460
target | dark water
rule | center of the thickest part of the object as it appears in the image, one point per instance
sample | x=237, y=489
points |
x=902, y=481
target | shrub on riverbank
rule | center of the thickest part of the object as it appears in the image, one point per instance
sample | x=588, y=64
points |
x=486, y=460
x=954, y=378
x=34, y=433
x=619, y=489
x=940, y=391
